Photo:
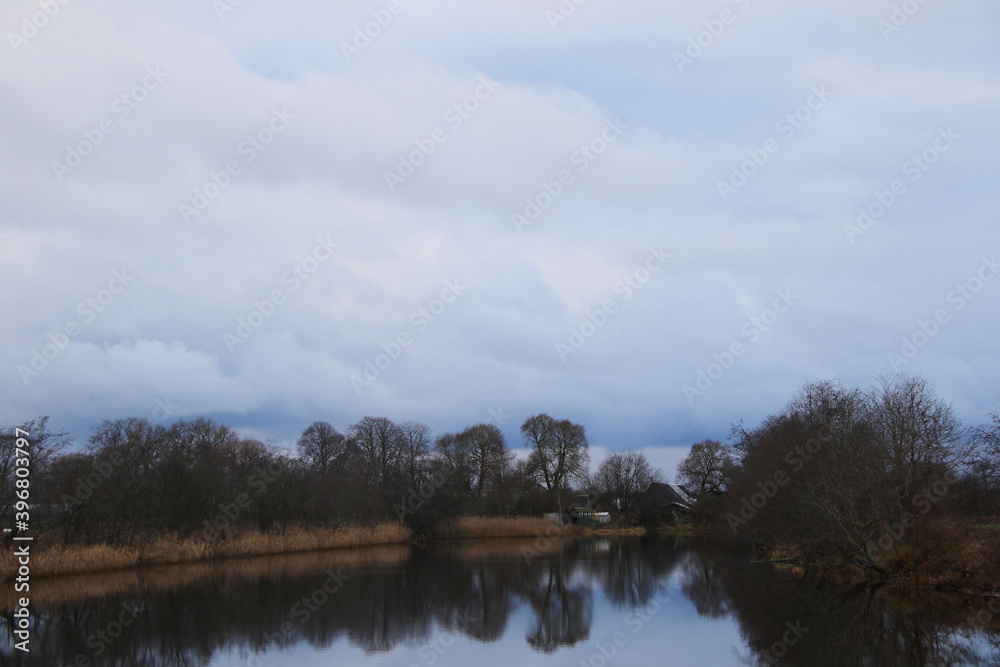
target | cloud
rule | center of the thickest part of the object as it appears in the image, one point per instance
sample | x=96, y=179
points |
x=204, y=133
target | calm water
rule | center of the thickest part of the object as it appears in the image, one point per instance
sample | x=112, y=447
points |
x=584, y=602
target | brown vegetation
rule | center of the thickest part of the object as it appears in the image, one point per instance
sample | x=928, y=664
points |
x=950, y=554
x=56, y=559
x=499, y=527
x=884, y=485
x=489, y=527
x=947, y=555
x=51, y=591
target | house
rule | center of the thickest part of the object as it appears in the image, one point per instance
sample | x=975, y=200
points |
x=582, y=512
x=672, y=499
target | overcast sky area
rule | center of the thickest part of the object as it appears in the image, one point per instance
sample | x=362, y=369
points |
x=652, y=218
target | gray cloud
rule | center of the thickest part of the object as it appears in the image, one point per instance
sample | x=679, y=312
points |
x=206, y=129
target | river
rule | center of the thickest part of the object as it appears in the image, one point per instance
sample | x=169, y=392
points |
x=585, y=602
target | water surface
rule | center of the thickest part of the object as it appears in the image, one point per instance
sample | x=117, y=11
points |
x=578, y=602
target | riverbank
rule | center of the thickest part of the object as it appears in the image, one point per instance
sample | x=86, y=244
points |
x=500, y=527
x=53, y=560
x=49, y=560
x=954, y=556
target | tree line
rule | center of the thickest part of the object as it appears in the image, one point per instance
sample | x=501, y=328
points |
x=199, y=478
x=850, y=473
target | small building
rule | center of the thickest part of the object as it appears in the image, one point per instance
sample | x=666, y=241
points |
x=669, y=500
x=581, y=512
x=588, y=517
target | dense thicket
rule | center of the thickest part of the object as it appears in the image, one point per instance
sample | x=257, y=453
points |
x=839, y=470
x=197, y=478
x=852, y=473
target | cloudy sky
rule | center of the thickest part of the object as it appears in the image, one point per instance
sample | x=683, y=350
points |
x=653, y=218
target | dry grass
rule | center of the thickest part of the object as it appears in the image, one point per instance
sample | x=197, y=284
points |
x=54, y=560
x=299, y=540
x=973, y=564
x=950, y=554
x=49, y=591
x=59, y=560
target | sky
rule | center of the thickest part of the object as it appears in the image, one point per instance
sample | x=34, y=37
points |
x=653, y=218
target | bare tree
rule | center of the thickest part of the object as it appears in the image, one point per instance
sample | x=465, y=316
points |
x=988, y=439
x=560, y=452
x=847, y=469
x=623, y=477
x=804, y=474
x=320, y=446
x=983, y=470
x=197, y=470
x=416, y=448
x=380, y=442
x=43, y=447
x=918, y=432
x=487, y=454
x=705, y=468
x=130, y=500
x=452, y=462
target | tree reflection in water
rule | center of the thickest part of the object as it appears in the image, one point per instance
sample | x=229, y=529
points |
x=859, y=626
x=395, y=597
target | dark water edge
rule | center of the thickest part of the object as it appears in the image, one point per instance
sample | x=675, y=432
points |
x=524, y=601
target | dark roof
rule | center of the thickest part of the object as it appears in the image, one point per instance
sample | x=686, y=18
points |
x=669, y=495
